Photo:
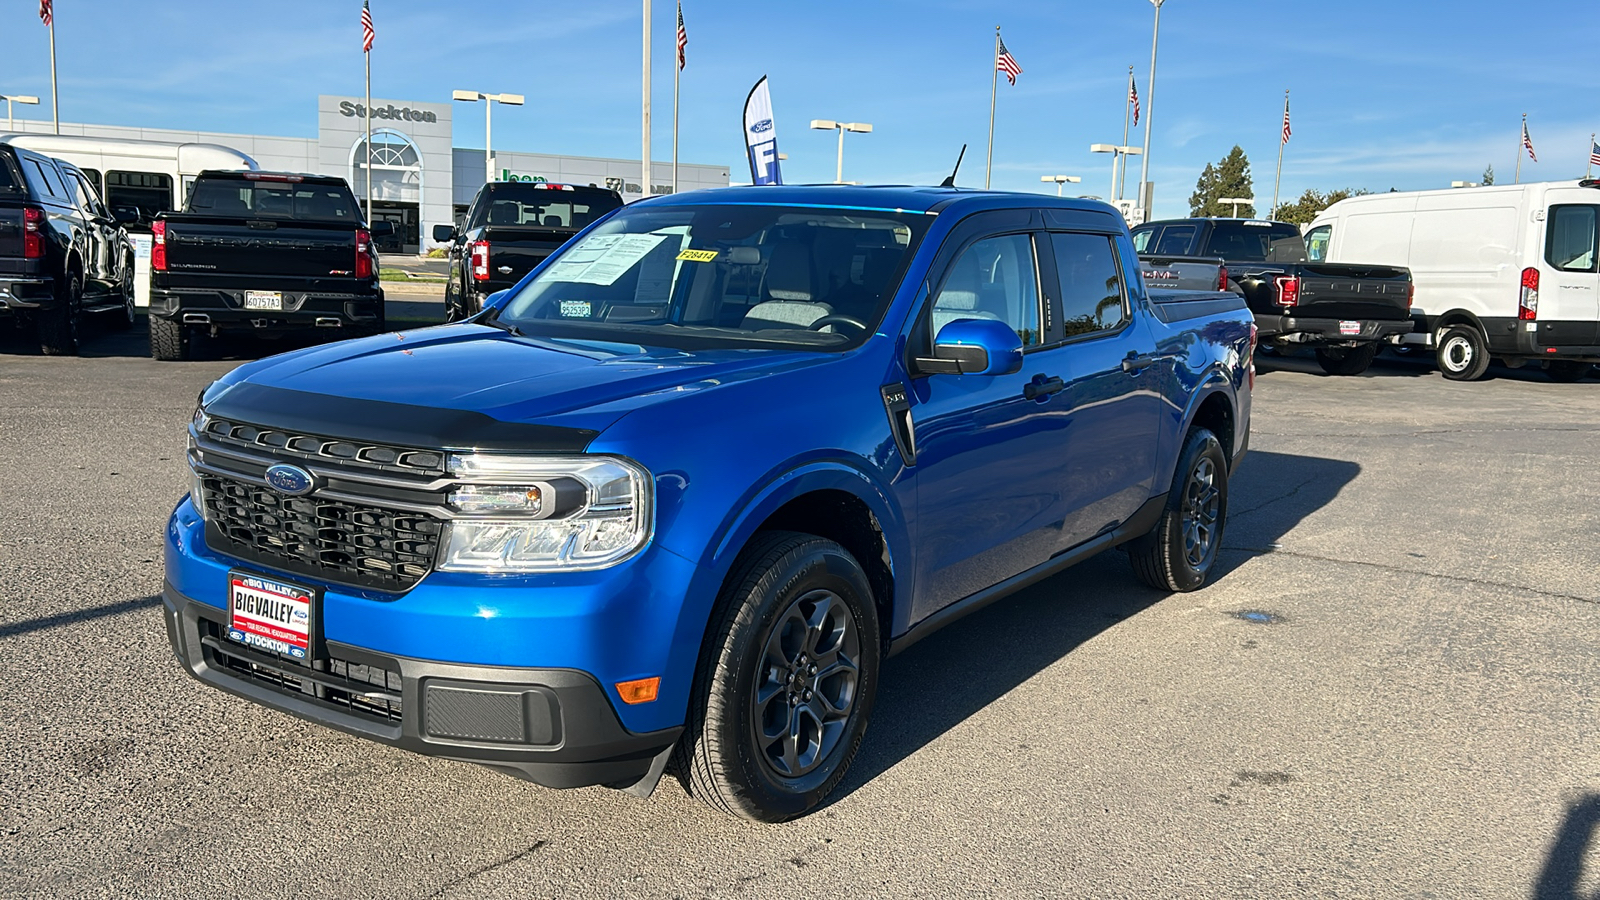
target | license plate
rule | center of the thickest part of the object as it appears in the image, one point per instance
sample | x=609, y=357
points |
x=263, y=300
x=269, y=615
x=1349, y=327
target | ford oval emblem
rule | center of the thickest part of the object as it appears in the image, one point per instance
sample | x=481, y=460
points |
x=763, y=125
x=291, y=480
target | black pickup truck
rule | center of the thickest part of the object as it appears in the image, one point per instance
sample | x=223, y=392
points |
x=263, y=252
x=62, y=255
x=1345, y=312
x=511, y=227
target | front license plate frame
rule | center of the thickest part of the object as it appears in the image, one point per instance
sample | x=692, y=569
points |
x=271, y=301
x=273, y=616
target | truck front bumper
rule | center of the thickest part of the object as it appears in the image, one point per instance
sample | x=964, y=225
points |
x=1302, y=330
x=225, y=309
x=510, y=673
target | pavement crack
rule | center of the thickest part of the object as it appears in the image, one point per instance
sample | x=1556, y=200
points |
x=1265, y=503
x=484, y=870
x=1388, y=567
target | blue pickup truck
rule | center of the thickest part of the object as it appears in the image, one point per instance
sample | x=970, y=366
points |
x=676, y=495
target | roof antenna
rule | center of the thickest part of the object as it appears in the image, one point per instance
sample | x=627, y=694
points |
x=951, y=181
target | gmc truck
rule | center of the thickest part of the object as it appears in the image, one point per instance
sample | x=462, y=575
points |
x=62, y=255
x=268, y=253
x=1347, y=313
x=511, y=227
x=681, y=490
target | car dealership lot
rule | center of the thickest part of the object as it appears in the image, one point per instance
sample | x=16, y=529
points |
x=1390, y=691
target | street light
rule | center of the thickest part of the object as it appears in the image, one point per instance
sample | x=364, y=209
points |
x=1237, y=202
x=11, y=124
x=829, y=125
x=489, y=101
x=1115, y=150
x=1060, y=180
x=1149, y=105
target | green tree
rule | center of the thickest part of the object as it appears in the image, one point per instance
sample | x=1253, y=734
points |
x=1488, y=175
x=1228, y=178
x=1302, y=211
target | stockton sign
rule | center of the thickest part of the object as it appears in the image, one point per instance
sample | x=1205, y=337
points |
x=404, y=113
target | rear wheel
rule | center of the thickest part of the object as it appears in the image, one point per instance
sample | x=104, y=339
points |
x=1179, y=553
x=169, y=339
x=1346, y=360
x=1567, y=371
x=1463, y=353
x=57, y=327
x=786, y=683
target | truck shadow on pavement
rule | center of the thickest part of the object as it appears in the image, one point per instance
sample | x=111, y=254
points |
x=958, y=671
x=77, y=616
x=1563, y=865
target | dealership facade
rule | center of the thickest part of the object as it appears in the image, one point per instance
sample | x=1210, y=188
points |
x=419, y=177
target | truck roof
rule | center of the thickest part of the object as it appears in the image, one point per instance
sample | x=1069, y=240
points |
x=907, y=197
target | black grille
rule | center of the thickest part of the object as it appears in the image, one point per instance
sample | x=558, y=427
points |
x=330, y=540
x=312, y=447
x=369, y=691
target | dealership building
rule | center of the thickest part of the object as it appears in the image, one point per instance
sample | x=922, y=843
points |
x=419, y=177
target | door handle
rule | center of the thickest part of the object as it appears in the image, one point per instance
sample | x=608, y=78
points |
x=1133, y=364
x=1041, y=387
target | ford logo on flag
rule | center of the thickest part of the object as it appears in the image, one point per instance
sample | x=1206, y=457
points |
x=763, y=125
x=290, y=480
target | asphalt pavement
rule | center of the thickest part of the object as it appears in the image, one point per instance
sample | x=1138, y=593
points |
x=1388, y=691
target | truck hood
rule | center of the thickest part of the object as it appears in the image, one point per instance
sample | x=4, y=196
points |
x=488, y=374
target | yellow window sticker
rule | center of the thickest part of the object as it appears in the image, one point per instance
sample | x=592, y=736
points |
x=698, y=255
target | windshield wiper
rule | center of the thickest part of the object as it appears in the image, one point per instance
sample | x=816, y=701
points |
x=492, y=319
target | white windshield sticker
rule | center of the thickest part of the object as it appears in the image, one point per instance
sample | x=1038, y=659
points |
x=602, y=259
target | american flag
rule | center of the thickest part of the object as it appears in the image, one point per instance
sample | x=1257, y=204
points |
x=1133, y=97
x=1007, y=63
x=1594, y=151
x=1527, y=142
x=1286, y=131
x=47, y=11
x=683, y=38
x=367, y=34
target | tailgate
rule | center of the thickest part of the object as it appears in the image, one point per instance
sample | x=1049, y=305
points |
x=268, y=254
x=1189, y=273
x=10, y=241
x=1341, y=291
x=515, y=249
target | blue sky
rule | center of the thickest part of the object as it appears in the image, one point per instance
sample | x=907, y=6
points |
x=1386, y=94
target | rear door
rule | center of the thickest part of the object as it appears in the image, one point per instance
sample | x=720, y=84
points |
x=1569, y=291
x=100, y=268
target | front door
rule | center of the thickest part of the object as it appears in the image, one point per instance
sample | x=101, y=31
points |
x=1569, y=292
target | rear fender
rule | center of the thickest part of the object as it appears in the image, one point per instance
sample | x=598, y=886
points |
x=1214, y=381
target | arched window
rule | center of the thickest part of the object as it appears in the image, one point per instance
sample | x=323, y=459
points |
x=396, y=167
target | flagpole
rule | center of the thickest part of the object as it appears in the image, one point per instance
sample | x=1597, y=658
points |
x=1278, y=178
x=1521, y=139
x=645, y=187
x=677, y=76
x=55, y=100
x=1149, y=109
x=1589, y=170
x=1127, y=108
x=994, y=88
x=368, y=55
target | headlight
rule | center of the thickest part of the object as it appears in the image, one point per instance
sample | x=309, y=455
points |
x=197, y=494
x=545, y=514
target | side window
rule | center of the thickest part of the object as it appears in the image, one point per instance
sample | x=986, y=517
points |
x=1175, y=240
x=993, y=279
x=1317, y=243
x=1570, y=242
x=44, y=179
x=1141, y=239
x=1091, y=285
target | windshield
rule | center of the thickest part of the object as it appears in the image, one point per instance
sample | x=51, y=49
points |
x=240, y=197
x=520, y=203
x=744, y=276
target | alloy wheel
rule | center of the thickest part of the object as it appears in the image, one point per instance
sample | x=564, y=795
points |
x=1202, y=502
x=805, y=690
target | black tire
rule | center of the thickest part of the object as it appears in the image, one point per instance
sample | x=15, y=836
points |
x=1346, y=360
x=1567, y=371
x=57, y=327
x=169, y=340
x=791, y=602
x=1463, y=353
x=124, y=318
x=1180, y=551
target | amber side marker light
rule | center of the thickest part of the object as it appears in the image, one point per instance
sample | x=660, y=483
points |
x=642, y=690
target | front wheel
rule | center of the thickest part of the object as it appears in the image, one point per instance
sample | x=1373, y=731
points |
x=1463, y=353
x=125, y=317
x=1346, y=360
x=1179, y=553
x=786, y=683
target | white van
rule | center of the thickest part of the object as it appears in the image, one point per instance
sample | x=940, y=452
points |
x=1507, y=271
x=146, y=175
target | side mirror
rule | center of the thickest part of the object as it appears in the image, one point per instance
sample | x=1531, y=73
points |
x=444, y=234
x=975, y=347
x=496, y=298
x=381, y=229
x=125, y=215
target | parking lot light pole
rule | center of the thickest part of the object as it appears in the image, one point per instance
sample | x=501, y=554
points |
x=1060, y=180
x=489, y=100
x=830, y=125
x=1149, y=106
x=1237, y=202
x=1116, y=150
x=11, y=124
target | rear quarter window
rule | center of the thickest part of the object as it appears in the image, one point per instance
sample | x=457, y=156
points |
x=1570, y=244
